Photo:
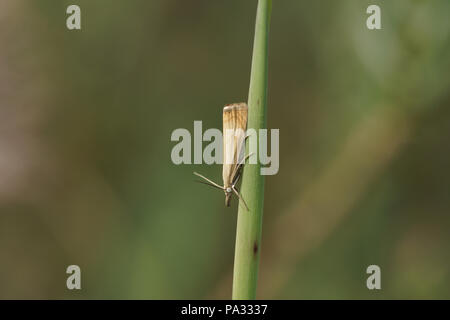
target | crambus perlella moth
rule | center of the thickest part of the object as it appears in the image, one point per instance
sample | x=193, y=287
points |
x=234, y=131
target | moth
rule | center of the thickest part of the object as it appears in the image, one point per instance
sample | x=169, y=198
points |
x=234, y=135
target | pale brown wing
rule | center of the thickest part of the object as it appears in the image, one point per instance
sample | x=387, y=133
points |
x=234, y=127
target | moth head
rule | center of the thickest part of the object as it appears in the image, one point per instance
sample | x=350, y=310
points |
x=228, y=193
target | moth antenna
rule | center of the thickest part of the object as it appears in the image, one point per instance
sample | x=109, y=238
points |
x=211, y=182
x=240, y=198
x=242, y=162
x=248, y=156
x=236, y=179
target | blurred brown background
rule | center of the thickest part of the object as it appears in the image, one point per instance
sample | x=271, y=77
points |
x=86, y=176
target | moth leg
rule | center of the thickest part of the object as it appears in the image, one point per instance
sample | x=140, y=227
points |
x=211, y=182
x=239, y=196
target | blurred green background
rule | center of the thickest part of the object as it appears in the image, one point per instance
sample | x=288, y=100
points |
x=86, y=176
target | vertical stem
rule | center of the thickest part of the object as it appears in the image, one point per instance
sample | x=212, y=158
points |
x=249, y=223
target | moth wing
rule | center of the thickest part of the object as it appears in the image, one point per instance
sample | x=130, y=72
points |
x=234, y=127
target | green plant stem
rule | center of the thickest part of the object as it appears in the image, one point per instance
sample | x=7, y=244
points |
x=249, y=223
